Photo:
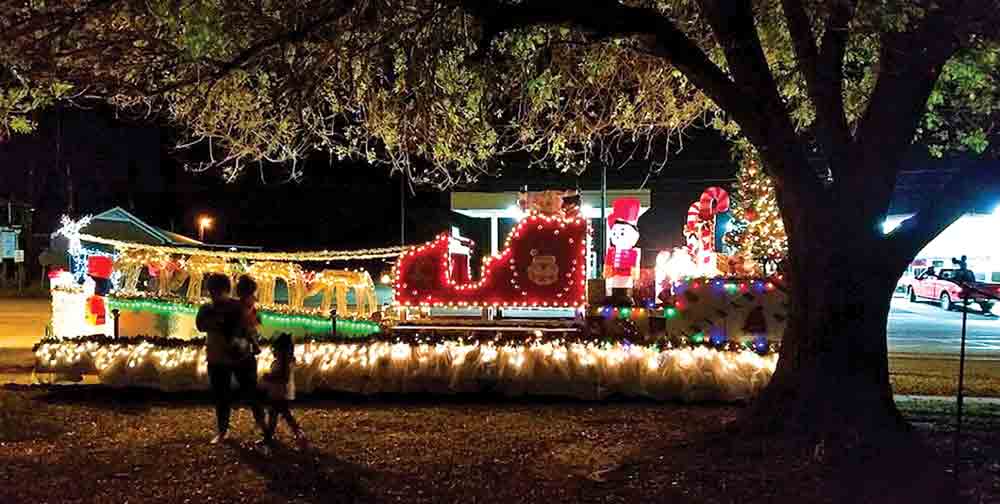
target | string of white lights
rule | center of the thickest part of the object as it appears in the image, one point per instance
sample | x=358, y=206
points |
x=320, y=255
x=583, y=370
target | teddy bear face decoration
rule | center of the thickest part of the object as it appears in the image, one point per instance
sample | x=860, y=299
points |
x=543, y=270
x=543, y=202
x=425, y=273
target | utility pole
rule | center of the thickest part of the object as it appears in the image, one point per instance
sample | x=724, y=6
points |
x=27, y=221
x=67, y=169
x=960, y=396
x=3, y=260
x=602, y=226
x=133, y=176
x=402, y=208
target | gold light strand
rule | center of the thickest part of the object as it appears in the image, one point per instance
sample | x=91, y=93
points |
x=321, y=255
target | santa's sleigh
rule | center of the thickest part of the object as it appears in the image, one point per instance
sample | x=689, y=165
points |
x=542, y=265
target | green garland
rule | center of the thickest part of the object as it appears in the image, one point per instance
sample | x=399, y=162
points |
x=312, y=323
x=357, y=328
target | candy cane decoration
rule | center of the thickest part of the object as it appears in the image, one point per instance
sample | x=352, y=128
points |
x=693, y=227
x=701, y=222
x=714, y=200
x=693, y=218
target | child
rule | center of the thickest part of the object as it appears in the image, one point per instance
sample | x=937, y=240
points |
x=246, y=291
x=280, y=385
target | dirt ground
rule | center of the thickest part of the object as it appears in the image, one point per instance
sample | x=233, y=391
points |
x=94, y=444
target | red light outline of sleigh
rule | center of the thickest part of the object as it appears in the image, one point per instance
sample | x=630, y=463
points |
x=424, y=273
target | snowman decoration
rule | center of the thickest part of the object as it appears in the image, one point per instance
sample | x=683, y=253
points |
x=99, y=269
x=621, y=263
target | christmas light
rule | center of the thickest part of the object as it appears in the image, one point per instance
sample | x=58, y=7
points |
x=542, y=265
x=320, y=255
x=311, y=321
x=153, y=306
x=173, y=266
x=172, y=273
x=69, y=309
x=70, y=229
x=717, y=337
x=586, y=370
x=198, y=301
x=758, y=234
x=357, y=328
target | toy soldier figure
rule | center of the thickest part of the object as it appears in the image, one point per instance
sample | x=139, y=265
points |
x=621, y=263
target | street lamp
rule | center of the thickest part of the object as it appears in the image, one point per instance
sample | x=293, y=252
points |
x=204, y=222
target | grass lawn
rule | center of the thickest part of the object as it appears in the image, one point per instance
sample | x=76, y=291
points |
x=927, y=375
x=94, y=444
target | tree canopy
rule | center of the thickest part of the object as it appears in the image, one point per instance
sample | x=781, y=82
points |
x=407, y=83
x=443, y=89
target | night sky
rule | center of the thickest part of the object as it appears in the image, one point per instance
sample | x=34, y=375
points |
x=109, y=161
x=337, y=205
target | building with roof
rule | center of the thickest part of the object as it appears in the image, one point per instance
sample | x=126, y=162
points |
x=501, y=211
x=15, y=241
x=975, y=235
x=120, y=224
x=500, y=208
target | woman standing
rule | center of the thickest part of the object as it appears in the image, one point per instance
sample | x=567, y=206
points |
x=248, y=348
x=229, y=353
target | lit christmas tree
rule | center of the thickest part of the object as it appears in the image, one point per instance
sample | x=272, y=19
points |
x=758, y=233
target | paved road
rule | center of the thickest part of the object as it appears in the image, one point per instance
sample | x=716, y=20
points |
x=23, y=321
x=925, y=328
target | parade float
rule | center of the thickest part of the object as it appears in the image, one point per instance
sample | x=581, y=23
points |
x=125, y=313
x=133, y=289
x=707, y=296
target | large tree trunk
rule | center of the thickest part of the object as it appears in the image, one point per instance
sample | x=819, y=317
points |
x=832, y=379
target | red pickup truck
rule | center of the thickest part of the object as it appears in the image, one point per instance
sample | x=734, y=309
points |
x=946, y=287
